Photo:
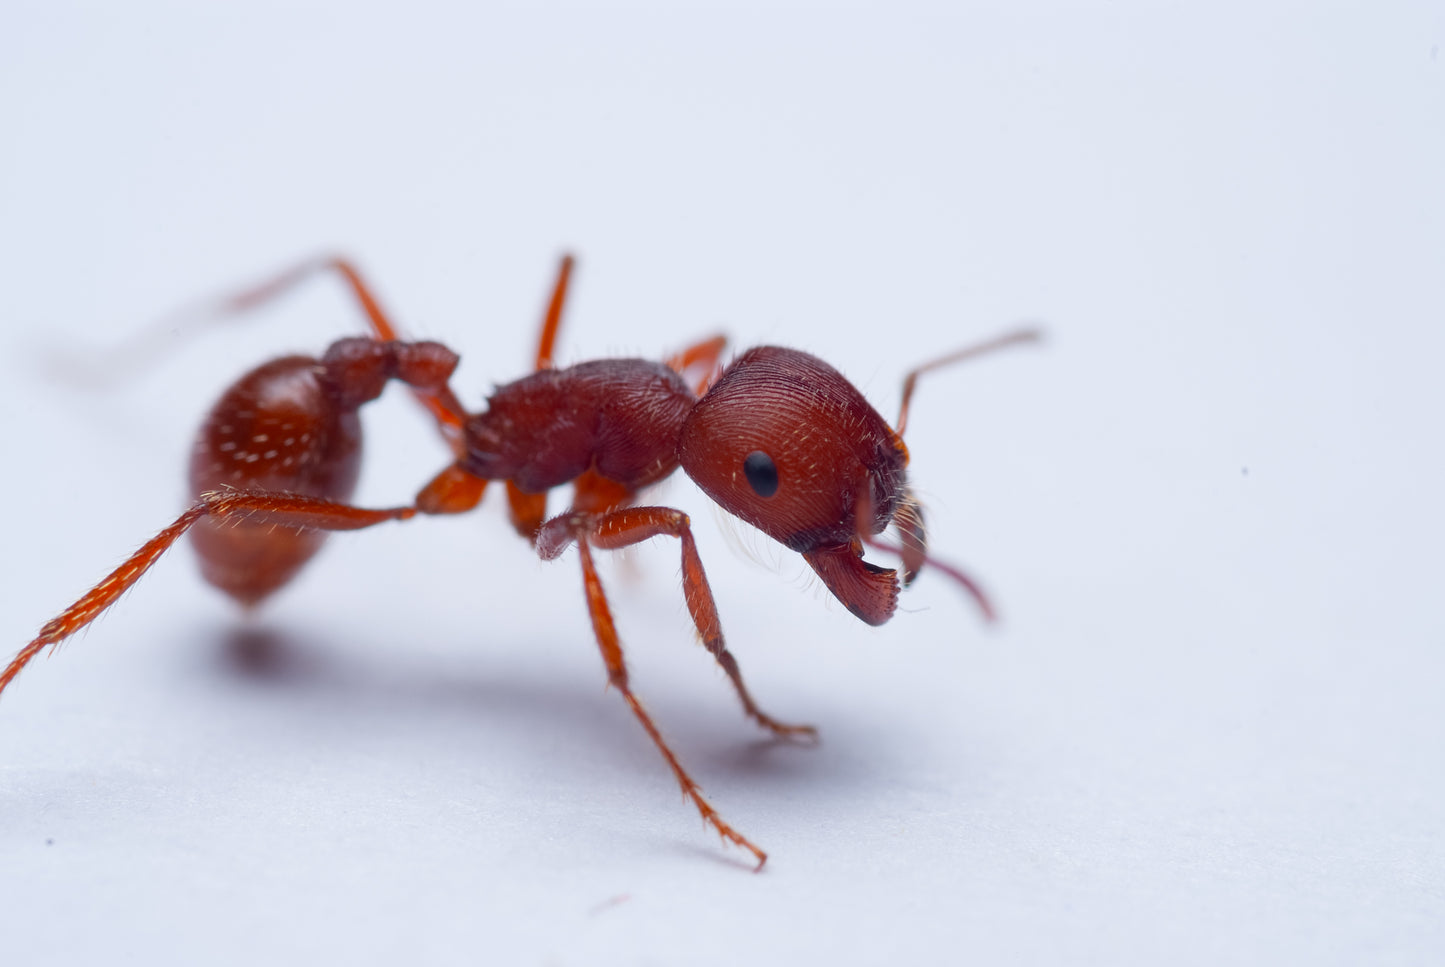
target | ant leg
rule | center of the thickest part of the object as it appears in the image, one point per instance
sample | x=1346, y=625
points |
x=291, y=277
x=552, y=321
x=593, y=493
x=453, y=491
x=606, y=631
x=702, y=358
x=226, y=506
x=441, y=402
x=526, y=511
x=622, y=528
x=456, y=491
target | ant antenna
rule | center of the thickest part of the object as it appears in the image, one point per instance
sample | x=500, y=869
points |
x=1014, y=338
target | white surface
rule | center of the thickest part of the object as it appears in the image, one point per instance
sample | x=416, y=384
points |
x=1208, y=729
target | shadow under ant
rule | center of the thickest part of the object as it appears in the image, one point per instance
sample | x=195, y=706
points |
x=722, y=738
x=264, y=654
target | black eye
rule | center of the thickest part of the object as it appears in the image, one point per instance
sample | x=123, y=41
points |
x=761, y=472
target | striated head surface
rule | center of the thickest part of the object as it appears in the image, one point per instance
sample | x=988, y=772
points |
x=785, y=442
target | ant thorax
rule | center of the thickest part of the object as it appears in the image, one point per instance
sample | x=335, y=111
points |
x=618, y=417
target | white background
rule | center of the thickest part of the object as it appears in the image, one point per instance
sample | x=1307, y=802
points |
x=1209, y=725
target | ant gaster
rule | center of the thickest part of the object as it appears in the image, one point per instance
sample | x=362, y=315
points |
x=778, y=438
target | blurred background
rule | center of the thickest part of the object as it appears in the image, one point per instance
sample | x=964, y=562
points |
x=1208, y=724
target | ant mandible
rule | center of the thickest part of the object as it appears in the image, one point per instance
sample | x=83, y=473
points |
x=777, y=437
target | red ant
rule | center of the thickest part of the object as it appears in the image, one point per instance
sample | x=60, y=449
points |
x=777, y=437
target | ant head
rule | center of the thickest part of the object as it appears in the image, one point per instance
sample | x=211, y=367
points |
x=785, y=442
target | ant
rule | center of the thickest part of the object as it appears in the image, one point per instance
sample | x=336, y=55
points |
x=776, y=437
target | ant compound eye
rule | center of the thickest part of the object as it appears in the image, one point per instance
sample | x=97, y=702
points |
x=761, y=472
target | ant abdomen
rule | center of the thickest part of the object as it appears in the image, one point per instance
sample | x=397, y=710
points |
x=278, y=429
x=291, y=427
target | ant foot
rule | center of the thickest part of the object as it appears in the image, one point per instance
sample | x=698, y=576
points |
x=802, y=734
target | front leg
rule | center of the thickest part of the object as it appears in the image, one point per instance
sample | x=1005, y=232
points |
x=622, y=528
x=606, y=631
